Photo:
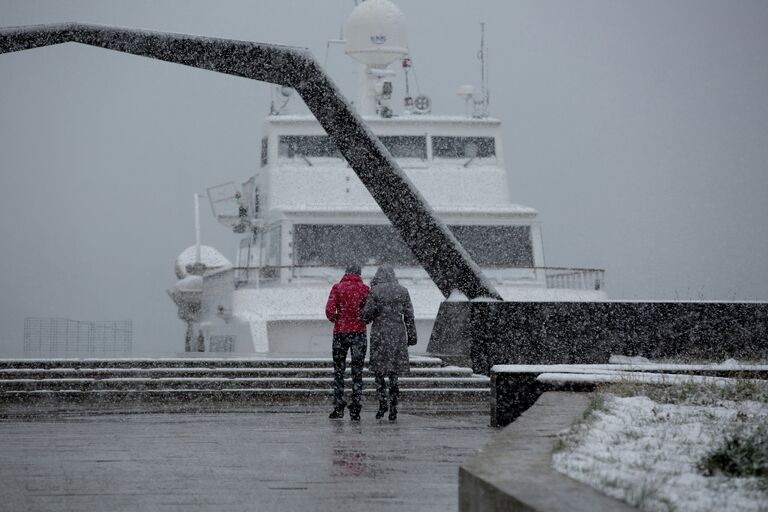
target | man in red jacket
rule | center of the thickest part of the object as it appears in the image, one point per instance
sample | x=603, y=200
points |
x=344, y=308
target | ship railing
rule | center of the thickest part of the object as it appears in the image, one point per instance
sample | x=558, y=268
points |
x=575, y=278
x=549, y=277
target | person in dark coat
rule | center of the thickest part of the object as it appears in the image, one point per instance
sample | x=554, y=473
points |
x=344, y=308
x=390, y=309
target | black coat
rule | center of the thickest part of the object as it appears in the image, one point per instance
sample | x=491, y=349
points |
x=390, y=309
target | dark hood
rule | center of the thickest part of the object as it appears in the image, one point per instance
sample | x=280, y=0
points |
x=385, y=274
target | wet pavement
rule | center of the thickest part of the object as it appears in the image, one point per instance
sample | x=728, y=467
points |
x=260, y=460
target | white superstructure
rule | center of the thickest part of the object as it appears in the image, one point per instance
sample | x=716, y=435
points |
x=305, y=214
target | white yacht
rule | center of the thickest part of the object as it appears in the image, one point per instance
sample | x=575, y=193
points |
x=304, y=214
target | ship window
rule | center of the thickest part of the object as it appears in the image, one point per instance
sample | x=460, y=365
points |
x=340, y=244
x=321, y=146
x=463, y=147
x=307, y=146
x=406, y=146
x=497, y=245
x=264, y=152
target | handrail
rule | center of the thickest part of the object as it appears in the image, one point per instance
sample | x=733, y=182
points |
x=574, y=269
x=569, y=278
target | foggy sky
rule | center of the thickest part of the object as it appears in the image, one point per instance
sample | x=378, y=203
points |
x=639, y=130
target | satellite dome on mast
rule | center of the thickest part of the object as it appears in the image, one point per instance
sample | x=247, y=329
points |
x=210, y=258
x=376, y=37
x=376, y=34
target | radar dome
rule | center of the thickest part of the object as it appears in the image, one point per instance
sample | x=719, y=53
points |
x=375, y=33
x=210, y=257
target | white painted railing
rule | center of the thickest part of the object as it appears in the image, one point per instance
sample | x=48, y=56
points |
x=552, y=277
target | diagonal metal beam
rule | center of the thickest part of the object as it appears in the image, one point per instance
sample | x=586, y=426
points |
x=433, y=245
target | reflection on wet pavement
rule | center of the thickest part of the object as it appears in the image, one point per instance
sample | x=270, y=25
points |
x=259, y=460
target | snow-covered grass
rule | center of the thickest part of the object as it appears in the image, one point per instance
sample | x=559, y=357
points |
x=688, y=447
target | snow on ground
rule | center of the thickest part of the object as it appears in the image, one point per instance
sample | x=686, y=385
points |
x=646, y=453
x=636, y=378
x=730, y=364
x=620, y=359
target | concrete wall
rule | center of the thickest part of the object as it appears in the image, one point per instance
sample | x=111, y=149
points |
x=589, y=332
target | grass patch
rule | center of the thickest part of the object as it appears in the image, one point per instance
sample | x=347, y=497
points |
x=596, y=404
x=742, y=454
x=692, y=393
x=744, y=451
x=567, y=440
x=656, y=452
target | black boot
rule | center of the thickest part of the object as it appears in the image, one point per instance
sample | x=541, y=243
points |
x=392, y=413
x=383, y=407
x=338, y=412
x=354, y=412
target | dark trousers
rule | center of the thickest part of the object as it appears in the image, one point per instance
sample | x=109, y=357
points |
x=381, y=388
x=355, y=343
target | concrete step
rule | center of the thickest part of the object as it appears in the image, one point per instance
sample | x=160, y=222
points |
x=267, y=361
x=252, y=373
x=132, y=383
x=210, y=380
x=474, y=396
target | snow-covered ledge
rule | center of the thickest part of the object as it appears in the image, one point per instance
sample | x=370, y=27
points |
x=514, y=471
x=514, y=388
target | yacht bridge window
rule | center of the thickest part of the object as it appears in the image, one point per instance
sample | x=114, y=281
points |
x=308, y=146
x=321, y=146
x=406, y=146
x=339, y=244
x=497, y=245
x=463, y=147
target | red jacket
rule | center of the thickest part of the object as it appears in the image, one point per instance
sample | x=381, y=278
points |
x=345, y=304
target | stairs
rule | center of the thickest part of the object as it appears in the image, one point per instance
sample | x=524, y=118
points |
x=257, y=380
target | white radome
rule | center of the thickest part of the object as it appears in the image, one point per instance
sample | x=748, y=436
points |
x=376, y=33
x=210, y=257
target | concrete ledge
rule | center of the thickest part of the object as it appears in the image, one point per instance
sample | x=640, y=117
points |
x=514, y=471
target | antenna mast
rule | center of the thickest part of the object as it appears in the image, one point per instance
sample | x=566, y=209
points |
x=483, y=74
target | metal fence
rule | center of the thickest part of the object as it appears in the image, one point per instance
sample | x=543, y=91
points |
x=575, y=278
x=65, y=337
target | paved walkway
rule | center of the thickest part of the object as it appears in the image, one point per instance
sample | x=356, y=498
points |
x=259, y=460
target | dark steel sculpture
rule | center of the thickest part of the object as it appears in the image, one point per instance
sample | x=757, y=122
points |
x=433, y=245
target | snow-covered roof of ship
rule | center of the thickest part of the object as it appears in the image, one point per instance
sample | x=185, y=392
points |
x=513, y=209
x=411, y=118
